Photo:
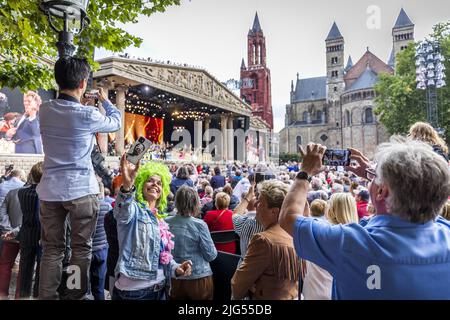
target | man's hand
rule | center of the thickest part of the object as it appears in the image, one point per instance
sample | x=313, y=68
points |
x=102, y=95
x=185, y=269
x=363, y=163
x=8, y=236
x=128, y=171
x=312, y=158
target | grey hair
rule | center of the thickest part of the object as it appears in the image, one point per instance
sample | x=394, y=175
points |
x=418, y=179
x=187, y=202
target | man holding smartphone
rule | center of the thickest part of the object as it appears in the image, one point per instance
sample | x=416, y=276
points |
x=68, y=185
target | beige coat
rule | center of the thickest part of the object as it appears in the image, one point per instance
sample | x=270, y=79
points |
x=270, y=269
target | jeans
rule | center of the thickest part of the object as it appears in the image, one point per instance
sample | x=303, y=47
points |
x=143, y=294
x=8, y=256
x=98, y=273
x=82, y=214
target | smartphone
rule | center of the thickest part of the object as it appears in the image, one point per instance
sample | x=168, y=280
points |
x=336, y=157
x=91, y=94
x=138, y=150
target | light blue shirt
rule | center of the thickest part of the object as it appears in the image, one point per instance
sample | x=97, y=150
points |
x=389, y=258
x=68, y=136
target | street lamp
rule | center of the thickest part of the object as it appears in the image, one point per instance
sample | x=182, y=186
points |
x=67, y=10
x=430, y=75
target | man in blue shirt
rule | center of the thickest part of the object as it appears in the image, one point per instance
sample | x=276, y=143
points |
x=403, y=252
x=68, y=185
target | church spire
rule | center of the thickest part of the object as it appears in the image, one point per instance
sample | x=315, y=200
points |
x=403, y=20
x=256, y=25
x=334, y=33
x=243, y=65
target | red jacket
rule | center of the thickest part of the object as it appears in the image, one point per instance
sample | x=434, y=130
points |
x=361, y=207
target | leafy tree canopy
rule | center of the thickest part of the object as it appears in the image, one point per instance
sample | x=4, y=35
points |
x=26, y=37
x=399, y=103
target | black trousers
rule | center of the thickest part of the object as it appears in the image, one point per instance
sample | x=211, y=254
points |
x=30, y=256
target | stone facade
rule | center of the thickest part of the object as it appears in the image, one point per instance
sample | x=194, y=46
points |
x=338, y=110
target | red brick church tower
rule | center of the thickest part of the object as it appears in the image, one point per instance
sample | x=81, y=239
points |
x=255, y=78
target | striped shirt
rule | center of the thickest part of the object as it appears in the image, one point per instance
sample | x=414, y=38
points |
x=246, y=226
x=30, y=232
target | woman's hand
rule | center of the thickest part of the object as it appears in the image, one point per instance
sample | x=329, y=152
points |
x=129, y=172
x=185, y=269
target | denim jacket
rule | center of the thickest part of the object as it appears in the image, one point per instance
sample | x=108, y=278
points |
x=193, y=242
x=139, y=241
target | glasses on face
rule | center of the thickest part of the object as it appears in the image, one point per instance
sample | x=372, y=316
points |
x=370, y=174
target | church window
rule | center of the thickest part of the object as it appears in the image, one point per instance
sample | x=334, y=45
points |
x=255, y=81
x=259, y=55
x=254, y=54
x=324, y=137
x=334, y=60
x=254, y=97
x=305, y=116
x=335, y=89
x=368, y=115
x=299, y=142
x=348, y=118
x=319, y=115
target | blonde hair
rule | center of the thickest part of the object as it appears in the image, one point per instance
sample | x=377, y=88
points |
x=423, y=131
x=209, y=190
x=35, y=96
x=446, y=210
x=342, y=209
x=222, y=200
x=318, y=207
x=275, y=191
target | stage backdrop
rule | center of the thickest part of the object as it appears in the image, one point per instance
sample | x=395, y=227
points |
x=138, y=125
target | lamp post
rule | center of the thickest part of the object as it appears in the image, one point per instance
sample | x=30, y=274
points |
x=430, y=76
x=68, y=10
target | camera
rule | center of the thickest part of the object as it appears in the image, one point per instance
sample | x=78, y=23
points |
x=336, y=157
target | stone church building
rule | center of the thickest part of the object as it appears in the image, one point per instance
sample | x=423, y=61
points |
x=337, y=110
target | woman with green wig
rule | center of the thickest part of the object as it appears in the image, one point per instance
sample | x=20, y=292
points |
x=145, y=264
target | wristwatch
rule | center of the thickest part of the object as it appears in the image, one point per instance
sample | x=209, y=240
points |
x=302, y=175
x=133, y=188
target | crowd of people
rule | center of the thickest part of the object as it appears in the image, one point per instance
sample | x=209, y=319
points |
x=377, y=229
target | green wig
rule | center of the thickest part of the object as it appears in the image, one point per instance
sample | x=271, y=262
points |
x=146, y=171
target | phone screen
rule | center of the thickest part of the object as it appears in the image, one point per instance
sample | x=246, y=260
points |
x=336, y=157
x=138, y=150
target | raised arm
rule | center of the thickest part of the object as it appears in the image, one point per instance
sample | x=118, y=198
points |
x=295, y=203
x=123, y=208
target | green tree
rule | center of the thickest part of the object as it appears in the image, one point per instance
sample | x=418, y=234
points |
x=399, y=103
x=26, y=37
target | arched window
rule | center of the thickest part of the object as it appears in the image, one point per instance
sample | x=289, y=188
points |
x=348, y=118
x=305, y=116
x=368, y=115
x=299, y=143
x=254, y=53
x=259, y=54
x=319, y=115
